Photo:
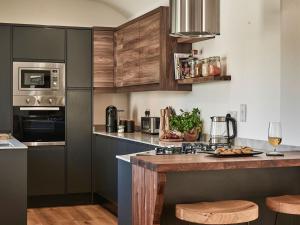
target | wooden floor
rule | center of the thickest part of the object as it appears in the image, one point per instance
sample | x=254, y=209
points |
x=75, y=215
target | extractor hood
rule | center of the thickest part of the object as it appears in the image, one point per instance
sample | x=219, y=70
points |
x=195, y=18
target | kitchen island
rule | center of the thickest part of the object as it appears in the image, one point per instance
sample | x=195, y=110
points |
x=158, y=183
x=13, y=179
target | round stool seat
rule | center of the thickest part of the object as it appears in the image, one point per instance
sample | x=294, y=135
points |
x=288, y=204
x=220, y=212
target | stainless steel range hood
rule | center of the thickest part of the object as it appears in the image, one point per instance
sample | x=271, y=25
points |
x=195, y=18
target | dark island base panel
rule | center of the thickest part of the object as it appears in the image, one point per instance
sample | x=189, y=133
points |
x=107, y=204
x=248, y=184
x=59, y=200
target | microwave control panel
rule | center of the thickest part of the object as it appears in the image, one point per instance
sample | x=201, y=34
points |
x=55, y=79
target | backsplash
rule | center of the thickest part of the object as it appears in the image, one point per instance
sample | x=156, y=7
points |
x=102, y=100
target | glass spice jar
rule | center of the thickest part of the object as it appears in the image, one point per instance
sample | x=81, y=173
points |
x=205, y=67
x=215, y=66
x=198, y=68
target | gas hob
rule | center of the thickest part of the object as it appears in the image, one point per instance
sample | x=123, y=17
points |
x=187, y=148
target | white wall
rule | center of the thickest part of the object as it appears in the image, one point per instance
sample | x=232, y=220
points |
x=101, y=101
x=290, y=71
x=250, y=39
x=59, y=12
x=134, y=8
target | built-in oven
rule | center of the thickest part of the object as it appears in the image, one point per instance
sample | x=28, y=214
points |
x=39, y=103
x=35, y=126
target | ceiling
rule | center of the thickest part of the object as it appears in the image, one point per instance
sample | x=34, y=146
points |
x=133, y=8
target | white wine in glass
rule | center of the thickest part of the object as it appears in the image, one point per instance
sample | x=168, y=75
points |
x=275, y=138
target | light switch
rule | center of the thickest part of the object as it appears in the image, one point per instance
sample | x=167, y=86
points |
x=243, y=113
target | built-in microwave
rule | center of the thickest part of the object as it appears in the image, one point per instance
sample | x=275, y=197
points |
x=39, y=80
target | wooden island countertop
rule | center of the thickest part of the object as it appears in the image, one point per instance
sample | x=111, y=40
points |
x=149, y=177
x=182, y=163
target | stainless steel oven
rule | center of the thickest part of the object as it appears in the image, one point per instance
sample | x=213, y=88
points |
x=35, y=126
x=38, y=84
x=39, y=103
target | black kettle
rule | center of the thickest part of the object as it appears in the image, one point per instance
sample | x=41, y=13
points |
x=111, y=119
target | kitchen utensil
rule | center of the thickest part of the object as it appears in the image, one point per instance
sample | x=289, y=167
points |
x=223, y=130
x=162, y=123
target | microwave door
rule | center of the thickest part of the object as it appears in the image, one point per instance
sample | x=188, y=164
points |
x=34, y=79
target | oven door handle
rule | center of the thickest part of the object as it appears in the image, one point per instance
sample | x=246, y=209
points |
x=39, y=108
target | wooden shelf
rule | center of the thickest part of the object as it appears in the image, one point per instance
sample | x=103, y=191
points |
x=199, y=80
x=190, y=40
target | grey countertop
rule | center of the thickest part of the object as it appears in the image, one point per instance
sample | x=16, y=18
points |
x=154, y=140
x=11, y=144
x=138, y=137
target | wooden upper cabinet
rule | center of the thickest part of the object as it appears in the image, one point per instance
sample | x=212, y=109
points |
x=144, y=54
x=103, y=56
x=150, y=49
x=127, y=56
x=138, y=52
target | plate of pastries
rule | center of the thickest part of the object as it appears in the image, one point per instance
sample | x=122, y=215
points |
x=235, y=152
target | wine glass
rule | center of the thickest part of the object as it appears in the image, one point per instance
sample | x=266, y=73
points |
x=275, y=138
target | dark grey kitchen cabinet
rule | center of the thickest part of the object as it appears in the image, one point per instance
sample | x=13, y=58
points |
x=5, y=79
x=13, y=187
x=38, y=43
x=79, y=141
x=106, y=165
x=46, y=170
x=79, y=58
x=124, y=192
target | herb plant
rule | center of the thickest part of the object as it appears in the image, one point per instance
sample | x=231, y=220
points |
x=186, y=121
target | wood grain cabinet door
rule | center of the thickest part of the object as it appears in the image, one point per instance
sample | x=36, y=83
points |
x=119, y=38
x=150, y=55
x=129, y=56
x=103, y=58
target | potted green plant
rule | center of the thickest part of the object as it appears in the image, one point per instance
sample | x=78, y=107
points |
x=188, y=123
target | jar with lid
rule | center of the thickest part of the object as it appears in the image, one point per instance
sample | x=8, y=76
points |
x=215, y=66
x=192, y=61
x=219, y=65
x=198, y=68
x=205, y=67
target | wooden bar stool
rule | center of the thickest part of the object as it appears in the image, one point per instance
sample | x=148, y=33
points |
x=287, y=204
x=220, y=212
